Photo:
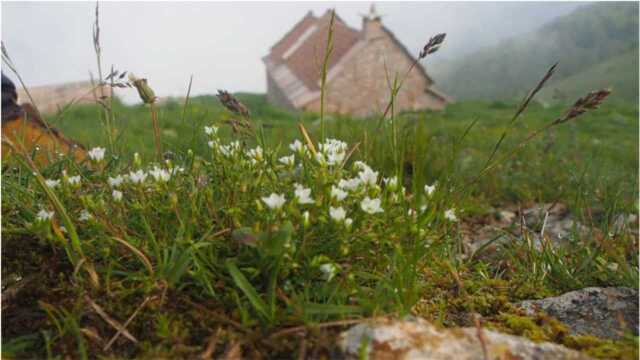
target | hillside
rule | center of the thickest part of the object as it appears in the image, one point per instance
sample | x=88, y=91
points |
x=619, y=73
x=589, y=36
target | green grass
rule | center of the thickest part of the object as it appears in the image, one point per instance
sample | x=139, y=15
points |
x=203, y=254
x=599, y=149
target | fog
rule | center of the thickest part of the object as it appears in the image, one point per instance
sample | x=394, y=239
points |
x=221, y=44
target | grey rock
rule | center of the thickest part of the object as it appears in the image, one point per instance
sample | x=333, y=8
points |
x=539, y=224
x=506, y=216
x=418, y=339
x=603, y=312
x=623, y=222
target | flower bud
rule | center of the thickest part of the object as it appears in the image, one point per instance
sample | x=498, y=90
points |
x=137, y=161
x=146, y=93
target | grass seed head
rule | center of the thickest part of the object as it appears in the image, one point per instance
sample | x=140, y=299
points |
x=589, y=102
x=232, y=104
x=432, y=45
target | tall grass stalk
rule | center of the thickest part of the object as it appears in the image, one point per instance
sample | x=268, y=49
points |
x=107, y=109
x=430, y=47
x=325, y=67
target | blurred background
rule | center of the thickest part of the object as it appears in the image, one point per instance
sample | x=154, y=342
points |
x=494, y=50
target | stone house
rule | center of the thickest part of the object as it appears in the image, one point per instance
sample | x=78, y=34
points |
x=357, y=83
x=51, y=98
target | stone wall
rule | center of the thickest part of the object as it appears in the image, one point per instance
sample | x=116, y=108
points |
x=50, y=98
x=361, y=87
x=275, y=95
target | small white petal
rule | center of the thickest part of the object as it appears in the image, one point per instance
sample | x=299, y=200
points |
x=274, y=201
x=96, y=154
x=450, y=215
x=52, y=183
x=338, y=214
x=44, y=215
x=371, y=206
x=117, y=195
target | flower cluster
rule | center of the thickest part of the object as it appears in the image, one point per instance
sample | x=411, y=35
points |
x=332, y=152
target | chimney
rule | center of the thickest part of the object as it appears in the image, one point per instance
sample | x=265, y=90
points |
x=371, y=24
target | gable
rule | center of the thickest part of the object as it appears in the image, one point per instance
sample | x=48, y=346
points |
x=302, y=49
x=294, y=64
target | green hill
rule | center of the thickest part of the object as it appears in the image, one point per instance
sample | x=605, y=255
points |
x=589, y=36
x=619, y=73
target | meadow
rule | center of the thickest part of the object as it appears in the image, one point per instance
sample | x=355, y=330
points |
x=248, y=244
x=597, y=154
x=226, y=228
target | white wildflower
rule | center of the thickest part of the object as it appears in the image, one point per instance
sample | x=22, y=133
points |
x=230, y=149
x=115, y=181
x=211, y=130
x=321, y=159
x=450, y=215
x=360, y=165
x=334, y=151
x=338, y=214
x=52, y=183
x=85, y=215
x=329, y=271
x=297, y=146
x=348, y=222
x=255, y=154
x=303, y=195
x=160, y=175
x=211, y=143
x=117, y=195
x=371, y=206
x=74, y=180
x=288, y=160
x=368, y=176
x=411, y=213
x=338, y=193
x=274, y=201
x=423, y=208
x=96, y=154
x=333, y=146
x=351, y=184
x=429, y=189
x=391, y=183
x=44, y=215
x=335, y=158
x=137, y=177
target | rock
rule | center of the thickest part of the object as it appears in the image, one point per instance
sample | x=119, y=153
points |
x=506, y=216
x=418, y=339
x=603, y=312
x=555, y=219
x=623, y=222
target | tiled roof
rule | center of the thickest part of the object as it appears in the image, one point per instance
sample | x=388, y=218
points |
x=289, y=38
x=305, y=61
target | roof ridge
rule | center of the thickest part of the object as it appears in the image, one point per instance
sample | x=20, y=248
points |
x=308, y=15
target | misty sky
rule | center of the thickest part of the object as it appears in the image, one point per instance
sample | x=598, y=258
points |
x=222, y=43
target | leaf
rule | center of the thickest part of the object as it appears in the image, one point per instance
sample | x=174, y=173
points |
x=274, y=244
x=328, y=309
x=180, y=267
x=243, y=284
x=244, y=236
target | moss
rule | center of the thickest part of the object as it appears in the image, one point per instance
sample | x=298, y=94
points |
x=537, y=328
x=603, y=348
